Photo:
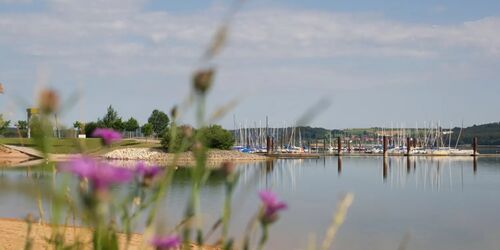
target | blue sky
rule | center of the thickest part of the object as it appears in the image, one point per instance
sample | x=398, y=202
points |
x=377, y=62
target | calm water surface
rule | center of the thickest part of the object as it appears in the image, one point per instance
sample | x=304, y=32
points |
x=436, y=203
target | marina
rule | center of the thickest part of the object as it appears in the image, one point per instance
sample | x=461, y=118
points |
x=288, y=142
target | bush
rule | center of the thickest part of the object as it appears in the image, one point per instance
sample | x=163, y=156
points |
x=89, y=129
x=214, y=137
x=217, y=137
x=184, y=135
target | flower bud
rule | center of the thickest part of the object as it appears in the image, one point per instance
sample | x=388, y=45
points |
x=173, y=112
x=202, y=80
x=48, y=101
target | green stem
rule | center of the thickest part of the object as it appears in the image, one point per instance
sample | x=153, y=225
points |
x=264, y=237
x=226, y=217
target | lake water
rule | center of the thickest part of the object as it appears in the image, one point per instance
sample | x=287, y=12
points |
x=433, y=203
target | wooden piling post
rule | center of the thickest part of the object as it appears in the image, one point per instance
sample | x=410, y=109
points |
x=408, y=165
x=385, y=146
x=339, y=146
x=408, y=146
x=474, y=146
x=268, y=144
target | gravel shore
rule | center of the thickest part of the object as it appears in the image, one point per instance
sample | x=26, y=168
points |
x=186, y=158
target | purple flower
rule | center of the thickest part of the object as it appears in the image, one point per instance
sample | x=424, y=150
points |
x=148, y=173
x=100, y=175
x=271, y=206
x=107, y=135
x=169, y=242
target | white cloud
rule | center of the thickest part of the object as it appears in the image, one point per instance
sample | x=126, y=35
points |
x=112, y=37
x=117, y=43
x=15, y=1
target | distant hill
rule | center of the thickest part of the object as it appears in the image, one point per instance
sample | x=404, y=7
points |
x=487, y=134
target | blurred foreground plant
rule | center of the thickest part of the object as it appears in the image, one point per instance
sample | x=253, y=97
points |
x=109, y=213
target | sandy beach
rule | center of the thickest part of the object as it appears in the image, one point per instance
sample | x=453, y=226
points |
x=9, y=157
x=13, y=236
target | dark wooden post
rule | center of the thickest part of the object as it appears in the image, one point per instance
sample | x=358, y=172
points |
x=339, y=146
x=474, y=146
x=408, y=165
x=385, y=146
x=408, y=146
x=268, y=144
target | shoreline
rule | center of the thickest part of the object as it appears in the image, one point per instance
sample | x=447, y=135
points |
x=215, y=156
x=10, y=157
x=15, y=157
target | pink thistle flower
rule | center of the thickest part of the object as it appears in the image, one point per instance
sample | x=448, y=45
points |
x=170, y=242
x=271, y=206
x=148, y=173
x=108, y=136
x=100, y=175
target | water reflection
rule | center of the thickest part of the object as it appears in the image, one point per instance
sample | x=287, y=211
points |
x=431, y=196
x=339, y=165
x=426, y=172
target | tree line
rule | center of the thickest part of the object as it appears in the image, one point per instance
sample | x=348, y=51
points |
x=157, y=123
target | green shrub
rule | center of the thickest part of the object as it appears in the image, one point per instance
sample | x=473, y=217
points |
x=217, y=137
x=214, y=137
x=184, y=135
x=89, y=129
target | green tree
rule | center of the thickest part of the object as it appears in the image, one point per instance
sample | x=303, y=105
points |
x=147, y=129
x=22, y=125
x=111, y=120
x=131, y=125
x=215, y=136
x=79, y=126
x=89, y=128
x=3, y=124
x=159, y=120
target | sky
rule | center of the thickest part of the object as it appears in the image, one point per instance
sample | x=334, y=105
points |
x=356, y=63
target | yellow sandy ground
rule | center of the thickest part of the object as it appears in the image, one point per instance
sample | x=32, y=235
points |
x=13, y=236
